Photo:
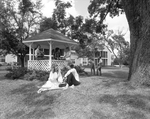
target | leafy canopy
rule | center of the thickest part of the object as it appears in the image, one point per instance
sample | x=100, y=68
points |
x=19, y=19
x=99, y=9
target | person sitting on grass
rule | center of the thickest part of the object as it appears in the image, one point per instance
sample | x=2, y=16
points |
x=55, y=78
x=71, y=78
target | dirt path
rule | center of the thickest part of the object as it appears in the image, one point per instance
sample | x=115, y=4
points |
x=104, y=97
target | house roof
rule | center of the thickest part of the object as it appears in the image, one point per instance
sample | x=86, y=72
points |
x=49, y=35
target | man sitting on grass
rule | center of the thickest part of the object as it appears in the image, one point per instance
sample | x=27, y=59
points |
x=71, y=78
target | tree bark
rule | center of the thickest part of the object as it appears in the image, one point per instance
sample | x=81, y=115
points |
x=138, y=17
x=21, y=57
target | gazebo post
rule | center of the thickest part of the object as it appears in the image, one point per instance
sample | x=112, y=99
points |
x=33, y=53
x=30, y=47
x=50, y=53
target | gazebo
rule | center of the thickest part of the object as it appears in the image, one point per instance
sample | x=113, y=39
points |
x=49, y=40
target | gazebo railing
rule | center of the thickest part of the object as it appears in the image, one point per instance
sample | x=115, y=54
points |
x=44, y=65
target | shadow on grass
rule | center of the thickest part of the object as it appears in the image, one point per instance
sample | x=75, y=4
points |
x=136, y=115
x=2, y=75
x=34, y=114
x=135, y=101
x=39, y=105
x=116, y=74
x=129, y=115
x=98, y=115
x=114, y=78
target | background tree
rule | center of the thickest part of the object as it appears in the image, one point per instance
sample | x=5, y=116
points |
x=59, y=15
x=137, y=14
x=68, y=25
x=74, y=27
x=48, y=23
x=19, y=19
x=116, y=43
x=59, y=19
x=93, y=40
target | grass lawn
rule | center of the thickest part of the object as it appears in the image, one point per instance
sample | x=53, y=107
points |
x=105, y=97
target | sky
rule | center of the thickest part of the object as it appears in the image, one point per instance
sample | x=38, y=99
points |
x=79, y=7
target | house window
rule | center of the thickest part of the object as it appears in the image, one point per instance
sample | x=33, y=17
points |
x=103, y=54
x=105, y=62
x=85, y=61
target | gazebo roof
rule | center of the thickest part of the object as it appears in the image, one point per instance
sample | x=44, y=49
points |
x=49, y=35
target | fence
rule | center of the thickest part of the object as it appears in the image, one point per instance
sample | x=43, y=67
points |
x=44, y=65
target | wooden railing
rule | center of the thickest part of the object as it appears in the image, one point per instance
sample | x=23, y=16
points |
x=44, y=65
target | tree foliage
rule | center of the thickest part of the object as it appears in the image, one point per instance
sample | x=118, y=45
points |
x=76, y=28
x=18, y=19
x=116, y=42
x=101, y=8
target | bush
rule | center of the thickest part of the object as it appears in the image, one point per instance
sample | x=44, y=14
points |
x=16, y=73
x=38, y=75
x=23, y=73
x=42, y=75
x=9, y=69
x=80, y=70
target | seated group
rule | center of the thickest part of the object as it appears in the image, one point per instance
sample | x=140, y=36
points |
x=56, y=81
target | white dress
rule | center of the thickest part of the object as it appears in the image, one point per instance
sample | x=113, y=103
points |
x=53, y=81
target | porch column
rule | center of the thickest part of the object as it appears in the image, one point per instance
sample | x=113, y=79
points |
x=30, y=47
x=50, y=53
x=33, y=53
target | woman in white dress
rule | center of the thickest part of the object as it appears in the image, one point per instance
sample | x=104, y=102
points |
x=55, y=78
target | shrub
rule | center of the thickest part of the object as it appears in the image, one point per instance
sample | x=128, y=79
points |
x=36, y=74
x=23, y=73
x=16, y=73
x=9, y=69
x=42, y=75
x=80, y=70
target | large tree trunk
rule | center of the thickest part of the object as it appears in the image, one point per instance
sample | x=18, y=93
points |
x=138, y=17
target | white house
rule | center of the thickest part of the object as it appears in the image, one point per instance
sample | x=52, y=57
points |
x=105, y=54
x=106, y=57
x=8, y=59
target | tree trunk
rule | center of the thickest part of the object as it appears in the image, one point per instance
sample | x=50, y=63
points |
x=138, y=17
x=21, y=57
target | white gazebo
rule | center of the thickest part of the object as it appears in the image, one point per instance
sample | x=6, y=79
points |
x=48, y=39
